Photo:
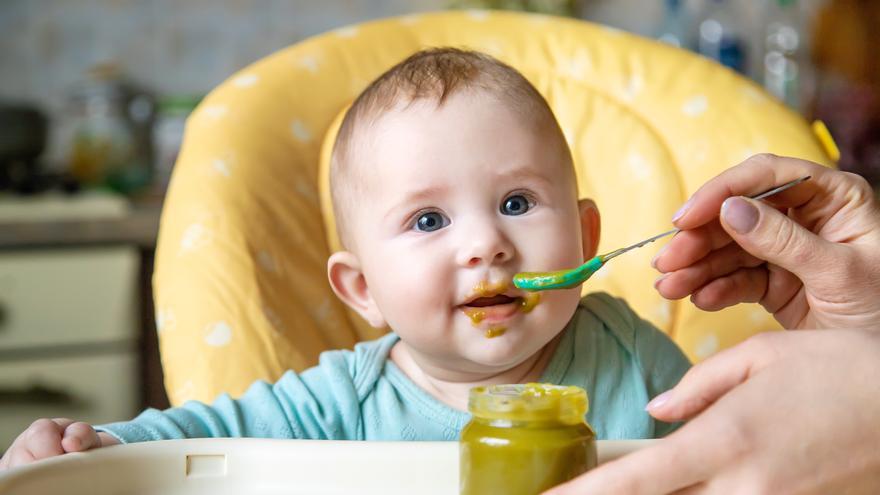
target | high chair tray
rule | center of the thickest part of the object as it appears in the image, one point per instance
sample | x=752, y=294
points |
x=256, y=466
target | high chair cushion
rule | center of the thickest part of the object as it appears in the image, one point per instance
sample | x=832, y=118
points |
x=240, y=283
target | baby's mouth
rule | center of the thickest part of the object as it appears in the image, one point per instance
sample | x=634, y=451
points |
x=492, y=310
x=489, y=308
x=496, y=300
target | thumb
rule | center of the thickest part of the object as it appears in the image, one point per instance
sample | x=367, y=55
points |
x=767, y=234
x=80, y=436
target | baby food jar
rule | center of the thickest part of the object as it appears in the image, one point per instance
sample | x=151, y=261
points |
x=523, y=439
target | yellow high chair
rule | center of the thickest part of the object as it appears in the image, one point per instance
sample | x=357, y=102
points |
x=240, y=284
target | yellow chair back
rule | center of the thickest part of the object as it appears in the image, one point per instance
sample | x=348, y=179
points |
x=240, y=284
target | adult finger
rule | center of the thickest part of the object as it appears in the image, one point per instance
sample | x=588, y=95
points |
x=743, y=285
x=782, y=287
x=718, y=264
x=79, y=437
x=690, y=246
x=755, y=175
x=703, y=384
x=698, y=489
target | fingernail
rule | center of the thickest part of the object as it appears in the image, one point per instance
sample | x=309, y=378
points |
x=741, y=215
x=660, y=279
x=681, y=211
x=658, y=401
x=657, y=256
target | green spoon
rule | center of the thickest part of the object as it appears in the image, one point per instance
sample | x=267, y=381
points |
x=566, y=279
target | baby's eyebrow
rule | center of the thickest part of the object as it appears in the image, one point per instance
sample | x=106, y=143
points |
x=525, y=173
x=417, y=196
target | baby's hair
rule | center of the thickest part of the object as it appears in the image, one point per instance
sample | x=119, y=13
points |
x=430, y=74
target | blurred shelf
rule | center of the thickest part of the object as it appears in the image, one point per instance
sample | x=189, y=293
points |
x=82, y=220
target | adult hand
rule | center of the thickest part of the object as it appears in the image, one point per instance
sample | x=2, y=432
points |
x=810, y=255
x=782, y=413
x=50, y=437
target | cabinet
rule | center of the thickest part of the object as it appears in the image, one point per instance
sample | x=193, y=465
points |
x=69, y=333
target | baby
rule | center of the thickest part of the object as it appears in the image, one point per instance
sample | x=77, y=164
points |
x=449, y=175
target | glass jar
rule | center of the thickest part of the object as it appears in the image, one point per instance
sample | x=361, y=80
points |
x=524, y=439
x=105, y=147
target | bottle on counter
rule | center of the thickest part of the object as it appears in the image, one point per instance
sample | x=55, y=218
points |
x=722, y=36
x=107, y=149
x=784, y=69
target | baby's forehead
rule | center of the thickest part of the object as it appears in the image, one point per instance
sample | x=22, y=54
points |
x=424, y=134
x=406, y=144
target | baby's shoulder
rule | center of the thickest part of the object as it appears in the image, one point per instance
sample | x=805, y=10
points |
x=603, y=320
x=362, y=366
x=609, y=315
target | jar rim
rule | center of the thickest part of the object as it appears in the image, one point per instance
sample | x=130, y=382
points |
x=529, y=402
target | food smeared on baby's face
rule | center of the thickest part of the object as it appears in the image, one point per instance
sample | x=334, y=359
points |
x=493, y=332
x=493, y=303
x=476, y=315
x=529, y=301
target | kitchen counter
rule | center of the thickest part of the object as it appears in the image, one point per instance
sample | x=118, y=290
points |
x=87, y=220
x=138, y=227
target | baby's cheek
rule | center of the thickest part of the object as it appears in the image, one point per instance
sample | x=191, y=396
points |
x=557, y=307
x=567, y=254
x=538, y=254
x=414, y=297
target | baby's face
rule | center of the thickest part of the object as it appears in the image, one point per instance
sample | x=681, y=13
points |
x=454, y=202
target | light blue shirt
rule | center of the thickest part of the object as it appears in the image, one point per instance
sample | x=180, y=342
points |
x=621, y=360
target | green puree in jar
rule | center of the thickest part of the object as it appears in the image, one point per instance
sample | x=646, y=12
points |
x=524, y=439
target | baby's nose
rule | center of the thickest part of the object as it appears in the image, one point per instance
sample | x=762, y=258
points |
x=488, y=247
x=499, y=257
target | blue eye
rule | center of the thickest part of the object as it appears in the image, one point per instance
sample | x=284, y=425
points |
x=515, y=205
x=431, y=221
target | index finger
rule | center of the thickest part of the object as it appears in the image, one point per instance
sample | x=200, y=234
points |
x=707, y=381
x=755, y=175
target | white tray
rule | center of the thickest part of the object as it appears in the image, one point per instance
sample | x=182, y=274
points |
x=256, y=466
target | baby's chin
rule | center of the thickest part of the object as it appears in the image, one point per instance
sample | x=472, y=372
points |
x=505, y=351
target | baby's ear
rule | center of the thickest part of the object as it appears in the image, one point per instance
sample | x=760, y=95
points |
x=348, y=282
x=590, y=227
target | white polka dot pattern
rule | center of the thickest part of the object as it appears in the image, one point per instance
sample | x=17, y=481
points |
x=222, y=167
x=214, y=111
x=165, y=320
x=218, y=334
x=300, y=131
x=194, y=237
x=245, y=80
x=695, y=106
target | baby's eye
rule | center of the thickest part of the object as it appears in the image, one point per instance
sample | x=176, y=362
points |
x=515, y=205
x=431, y=221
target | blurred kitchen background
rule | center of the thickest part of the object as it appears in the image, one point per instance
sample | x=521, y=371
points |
x=93, y=99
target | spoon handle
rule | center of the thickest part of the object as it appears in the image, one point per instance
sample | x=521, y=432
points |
x=767, y=193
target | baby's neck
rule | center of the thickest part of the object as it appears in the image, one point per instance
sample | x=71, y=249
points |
x=453, y=390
